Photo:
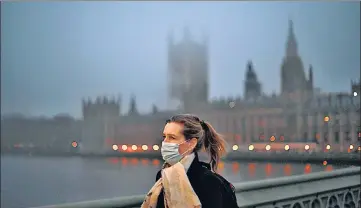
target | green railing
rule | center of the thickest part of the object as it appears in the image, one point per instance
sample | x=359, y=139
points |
x=320, y=189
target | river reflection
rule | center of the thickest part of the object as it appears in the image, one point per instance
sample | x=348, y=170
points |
x=254, y=169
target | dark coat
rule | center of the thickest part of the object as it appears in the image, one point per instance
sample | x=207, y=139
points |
x=205, y=184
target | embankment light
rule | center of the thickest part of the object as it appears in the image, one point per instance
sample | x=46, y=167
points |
x=155, y=147
x=351, y=147
x=328, y=147
x=235, y=147
x=359, y=148
x=144, y=147
x=115, y=147
x=268, y=147
x=354, y=94
x=326, y=119
x=307, y=147
x=134, y=147
x=287, y=147
x=124, y=147
x=251, y=147
x=74, y=144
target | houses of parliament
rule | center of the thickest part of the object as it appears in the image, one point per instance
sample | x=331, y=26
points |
x=298, y=113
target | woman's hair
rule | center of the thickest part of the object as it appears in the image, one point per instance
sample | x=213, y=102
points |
x=206, y=136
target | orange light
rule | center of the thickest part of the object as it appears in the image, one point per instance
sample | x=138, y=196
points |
x=251, y=169
x=74, y=144
x=326, y=119
x=155, y=162
x=272, y=139
x=308, y=168
x=324, y=162
x=124, y=161
x=221, y=165
x=134, y=161
x=144, y=147
x=145, y=161
x=235, y=167
x=268, y=169
x=287, y=170
x=318, y=136
x=329, y=168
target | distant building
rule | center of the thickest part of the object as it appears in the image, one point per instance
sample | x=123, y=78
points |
x=45, y=133
x=188, y=70
x=252, y=87
x=293, y=78
x=300, y=113
x=101, y=132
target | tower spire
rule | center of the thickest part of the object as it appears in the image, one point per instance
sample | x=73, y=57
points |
x=291, y=46
x=133, y=106
x=310, y=77
x=186, y=33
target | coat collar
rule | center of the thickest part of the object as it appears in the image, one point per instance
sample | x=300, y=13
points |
x=196, y=168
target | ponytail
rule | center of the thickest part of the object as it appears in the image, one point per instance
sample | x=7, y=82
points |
x=214, y=144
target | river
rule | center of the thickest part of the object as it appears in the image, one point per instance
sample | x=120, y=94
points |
x=37, y=181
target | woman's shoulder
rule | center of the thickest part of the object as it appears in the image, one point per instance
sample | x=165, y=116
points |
x=208, y=176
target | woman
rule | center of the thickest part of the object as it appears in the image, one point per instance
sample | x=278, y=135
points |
x=184, y=181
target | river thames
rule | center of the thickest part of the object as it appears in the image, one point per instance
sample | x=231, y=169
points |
x=37, y=181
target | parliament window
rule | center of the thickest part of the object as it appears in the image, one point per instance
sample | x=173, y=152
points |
x=305, y=136
x=337, y=137
x=325, y=136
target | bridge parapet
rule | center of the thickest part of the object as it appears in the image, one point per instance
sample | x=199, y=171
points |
x=336, y=189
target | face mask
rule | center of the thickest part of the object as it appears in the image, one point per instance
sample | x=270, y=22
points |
x=170, y=152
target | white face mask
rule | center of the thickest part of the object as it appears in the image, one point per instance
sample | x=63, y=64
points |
x=170, y=152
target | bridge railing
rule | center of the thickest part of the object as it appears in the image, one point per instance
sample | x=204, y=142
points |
x=339, y=188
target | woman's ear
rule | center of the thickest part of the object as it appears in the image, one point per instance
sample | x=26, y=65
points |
x=193, y=143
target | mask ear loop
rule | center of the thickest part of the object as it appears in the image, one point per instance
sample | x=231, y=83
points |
x=186, y=141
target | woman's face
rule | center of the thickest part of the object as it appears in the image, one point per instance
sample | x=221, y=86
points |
x=172, y=133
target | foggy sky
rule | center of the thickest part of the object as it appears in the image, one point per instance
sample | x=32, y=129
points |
x=55, y=53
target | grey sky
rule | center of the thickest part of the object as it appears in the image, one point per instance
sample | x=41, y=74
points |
x=53, y=54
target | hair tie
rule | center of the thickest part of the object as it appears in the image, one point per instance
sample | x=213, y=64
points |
x=203, y=124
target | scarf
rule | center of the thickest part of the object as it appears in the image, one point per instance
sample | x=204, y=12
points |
x=178, y=191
